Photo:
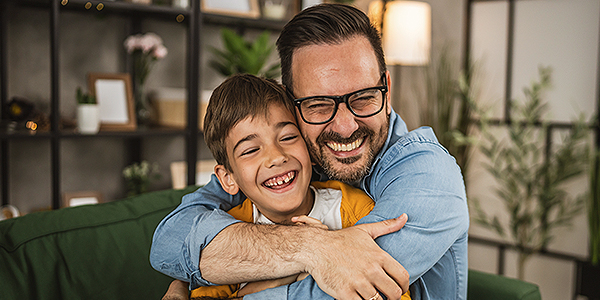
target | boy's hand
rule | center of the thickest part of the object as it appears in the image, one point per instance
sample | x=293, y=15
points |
x=308, y=221
x=178, y=290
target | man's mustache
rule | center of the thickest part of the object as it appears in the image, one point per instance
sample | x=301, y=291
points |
x=331, y=136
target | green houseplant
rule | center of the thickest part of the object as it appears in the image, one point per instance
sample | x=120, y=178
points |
x=88, y=119
x=530, y=180
x=594, y=210
x=449, y=105
x=241, y=56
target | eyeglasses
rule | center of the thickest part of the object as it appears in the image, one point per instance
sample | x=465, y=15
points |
x=362, y=103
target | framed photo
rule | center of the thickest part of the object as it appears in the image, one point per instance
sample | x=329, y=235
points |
x=81, y=198
x=204, y=170
x=238, y=8
x=114, y=95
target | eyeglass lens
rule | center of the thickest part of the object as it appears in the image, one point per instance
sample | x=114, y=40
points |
x=362, y=103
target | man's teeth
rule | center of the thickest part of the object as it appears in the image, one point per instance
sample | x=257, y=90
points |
x=345, y=147
x=280, y=180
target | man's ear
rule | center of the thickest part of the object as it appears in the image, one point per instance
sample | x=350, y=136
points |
x=226, y=179
x=388, y=95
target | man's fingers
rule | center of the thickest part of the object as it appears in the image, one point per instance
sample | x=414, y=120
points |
x=378, y=229
x=399, y=274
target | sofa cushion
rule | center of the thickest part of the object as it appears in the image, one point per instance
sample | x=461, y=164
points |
x=496, y=287
x=85, y=252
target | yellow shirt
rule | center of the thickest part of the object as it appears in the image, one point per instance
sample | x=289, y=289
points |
x=354, y=205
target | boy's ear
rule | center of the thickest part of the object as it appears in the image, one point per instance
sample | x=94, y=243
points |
x=226, y=179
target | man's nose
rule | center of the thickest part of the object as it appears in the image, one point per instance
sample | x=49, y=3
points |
x=344, y=122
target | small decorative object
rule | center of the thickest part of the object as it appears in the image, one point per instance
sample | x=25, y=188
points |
x=181, y=3
x=23, y=115
x=140, y=1
x=81, y=198
x=238, y=8
x=274, y=9
x=241, y=56
x=8, y=212
x=88, y=119
x=114, y=95
x=146, y=49
x=531, y=182
x=138, y=177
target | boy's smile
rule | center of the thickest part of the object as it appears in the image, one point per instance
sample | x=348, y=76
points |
x=270, y=164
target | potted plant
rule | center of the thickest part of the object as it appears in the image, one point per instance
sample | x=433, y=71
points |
x=241, y=56
x=588, y=272
x=88, y=119
x=448, y=105
x=530, y=180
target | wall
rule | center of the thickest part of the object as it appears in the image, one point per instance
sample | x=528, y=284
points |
x=561, y=34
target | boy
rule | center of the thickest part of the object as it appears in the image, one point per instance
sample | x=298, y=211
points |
x=251, y=130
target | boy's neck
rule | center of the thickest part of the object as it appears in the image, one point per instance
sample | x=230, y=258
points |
x=285, y=219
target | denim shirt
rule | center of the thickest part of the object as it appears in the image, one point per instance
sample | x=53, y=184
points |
x=413, y=174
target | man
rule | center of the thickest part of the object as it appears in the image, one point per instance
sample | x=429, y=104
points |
x=329, y=55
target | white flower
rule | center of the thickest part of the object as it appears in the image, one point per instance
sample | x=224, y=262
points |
x=159, y=52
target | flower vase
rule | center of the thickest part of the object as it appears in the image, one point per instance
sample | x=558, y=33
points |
x=142, y=107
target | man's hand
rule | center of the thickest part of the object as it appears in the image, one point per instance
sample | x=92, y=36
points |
x=348, y=264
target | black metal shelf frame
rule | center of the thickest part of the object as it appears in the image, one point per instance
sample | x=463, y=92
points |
x=194, y=20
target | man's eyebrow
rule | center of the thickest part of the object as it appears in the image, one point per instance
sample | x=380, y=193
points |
x=245, y=139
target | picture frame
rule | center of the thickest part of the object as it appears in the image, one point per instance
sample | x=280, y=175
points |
x=71, y=199
x=204, y=170
x=114, y=95
x=238, y=8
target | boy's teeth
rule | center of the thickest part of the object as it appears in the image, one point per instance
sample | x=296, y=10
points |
x=345, y=147
x=280, y=180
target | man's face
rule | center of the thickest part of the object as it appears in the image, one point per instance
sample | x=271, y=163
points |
x=347, y=145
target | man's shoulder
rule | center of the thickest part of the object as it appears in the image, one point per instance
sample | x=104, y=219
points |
x=418, y=140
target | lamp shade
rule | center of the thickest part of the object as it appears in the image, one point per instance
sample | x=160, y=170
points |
x=407, y=33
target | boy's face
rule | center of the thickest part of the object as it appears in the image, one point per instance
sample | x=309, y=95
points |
x=270, y=164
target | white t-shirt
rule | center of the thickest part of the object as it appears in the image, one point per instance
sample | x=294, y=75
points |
x=326, y=209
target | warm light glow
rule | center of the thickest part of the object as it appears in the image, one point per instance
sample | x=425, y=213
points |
x=64, y=2
x=180, y=18
x=407, y=33
x=88, y=5
x=375, y=12
x=100, y=6
x=31, y=125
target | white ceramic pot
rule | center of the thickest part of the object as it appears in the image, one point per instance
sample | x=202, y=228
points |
x=88, y=120
x=274, y=10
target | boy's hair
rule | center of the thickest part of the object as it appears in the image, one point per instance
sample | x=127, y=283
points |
x=325, y=24
x=237, y=98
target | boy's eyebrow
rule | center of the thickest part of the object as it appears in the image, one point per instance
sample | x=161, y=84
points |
x=254, y=135
x=247, y=138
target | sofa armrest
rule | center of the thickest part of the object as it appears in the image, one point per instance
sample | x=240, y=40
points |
x=495, y=287
x=85, y=252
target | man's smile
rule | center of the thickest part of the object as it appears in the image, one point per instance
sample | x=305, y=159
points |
x=339, y=147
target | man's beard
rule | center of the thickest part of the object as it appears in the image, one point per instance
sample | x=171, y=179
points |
x=347, y=174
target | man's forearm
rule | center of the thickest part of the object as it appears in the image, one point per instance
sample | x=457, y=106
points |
x=246, y=252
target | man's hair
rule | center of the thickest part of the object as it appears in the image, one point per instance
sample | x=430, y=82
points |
x=237, y=98
x=325, y=24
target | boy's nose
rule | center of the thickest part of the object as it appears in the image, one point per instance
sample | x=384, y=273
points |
x=276, y=157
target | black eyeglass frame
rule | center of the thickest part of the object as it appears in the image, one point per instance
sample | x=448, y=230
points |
x=343, y=99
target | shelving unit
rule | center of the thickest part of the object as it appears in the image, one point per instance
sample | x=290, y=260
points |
x=135, y=13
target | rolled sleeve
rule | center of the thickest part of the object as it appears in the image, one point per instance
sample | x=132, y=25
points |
x=180, y=237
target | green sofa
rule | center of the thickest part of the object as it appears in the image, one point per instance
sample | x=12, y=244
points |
x=101, y=252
